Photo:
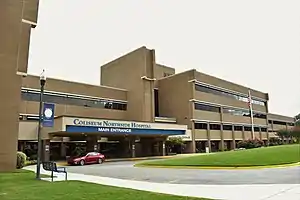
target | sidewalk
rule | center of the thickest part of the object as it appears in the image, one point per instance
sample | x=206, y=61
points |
x=225, y=192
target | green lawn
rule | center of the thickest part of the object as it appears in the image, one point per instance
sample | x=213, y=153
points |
x=21, y=185
x=276, y=155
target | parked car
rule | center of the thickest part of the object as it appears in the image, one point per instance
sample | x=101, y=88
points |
x=89, y=158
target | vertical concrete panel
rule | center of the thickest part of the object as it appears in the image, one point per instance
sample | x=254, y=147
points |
x=10, y=23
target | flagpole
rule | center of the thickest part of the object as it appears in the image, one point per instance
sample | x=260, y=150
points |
x=251, y=113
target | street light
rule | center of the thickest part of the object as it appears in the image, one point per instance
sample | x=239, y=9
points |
x=42, y=85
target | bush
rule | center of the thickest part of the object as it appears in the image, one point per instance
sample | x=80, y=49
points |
x=250, y=144
x=30, y=162
x=21, y=159
x=275, y=141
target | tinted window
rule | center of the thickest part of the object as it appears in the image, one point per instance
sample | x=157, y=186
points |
x=56, y=98
x=263, y=129
x=215, y=127
x=238, y=112
x=227, y=127
x=201, y=126
x=256, y=129
x=238, y=128
x=279, y=123
x=247, y=128
x=259, y=115
x=215, y=91
x=206, y=107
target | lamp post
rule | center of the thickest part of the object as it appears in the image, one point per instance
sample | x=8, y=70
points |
x=38, y=166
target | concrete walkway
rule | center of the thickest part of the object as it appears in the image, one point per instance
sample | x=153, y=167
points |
x=225, y=192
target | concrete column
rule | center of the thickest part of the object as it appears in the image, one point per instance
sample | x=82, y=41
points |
x=243, y=132
x=208, y=137
x=63, y=149
x=193, y=138
x=260, y=134
x=233, y=138
x=91, y=143
x=163, y=148
x=46, y=150
x=221, y=129
x=133, y=148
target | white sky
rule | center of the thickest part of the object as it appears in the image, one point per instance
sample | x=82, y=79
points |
x=254, y=43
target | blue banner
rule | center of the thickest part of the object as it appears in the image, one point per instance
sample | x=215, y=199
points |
x=93, y=129
x=48, y=114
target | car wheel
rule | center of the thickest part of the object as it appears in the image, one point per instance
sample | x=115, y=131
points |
x=81, y=162
x=100, y=161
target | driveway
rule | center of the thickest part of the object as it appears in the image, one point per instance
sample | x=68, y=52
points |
x=126, y=170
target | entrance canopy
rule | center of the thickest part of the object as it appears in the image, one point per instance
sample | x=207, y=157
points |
x=68, y=126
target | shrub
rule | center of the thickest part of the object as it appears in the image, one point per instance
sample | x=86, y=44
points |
x=250, y=144
x=275, y=141
x=21, y=159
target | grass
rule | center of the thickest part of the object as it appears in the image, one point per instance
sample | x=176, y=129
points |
x=276, y=155
x=22, y=185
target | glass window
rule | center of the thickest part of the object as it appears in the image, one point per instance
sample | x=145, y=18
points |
x=238, y=112
x=207, y=108
x=219, y=92
x=215, y=127
x=227, y=127
x=279, y=122
x=256, y=129
x=247, y=128
x=57, y=98
x=263, y=129
x=201, y=126
x=238, y=128
x=291, y=124
x=259, y=115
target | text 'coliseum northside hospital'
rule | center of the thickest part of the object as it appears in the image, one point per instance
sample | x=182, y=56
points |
x=137, y=105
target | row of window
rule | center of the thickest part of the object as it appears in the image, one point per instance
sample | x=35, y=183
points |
x=219, y=92
x=281, y=123
x=32, y=95
x=204, y=126
x=232, y=111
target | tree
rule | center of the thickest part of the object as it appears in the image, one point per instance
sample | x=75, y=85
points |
x=283, y=134
x=296, y=131
x=297, y=117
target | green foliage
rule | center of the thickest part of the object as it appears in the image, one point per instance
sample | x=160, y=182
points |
x=250, y=144
x=21, y=159
x=175, y=141
x=283, y=134
x=274, y=141
x=296, y=133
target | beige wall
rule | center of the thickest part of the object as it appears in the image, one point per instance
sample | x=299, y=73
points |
x=127, y=72
x=65, y=86
x=205, y=78
x=215, y=134
x=201, y=134
x=236, y=119
x=206, y=115
x=227, y=135
x=238, y=135
x=28, y=130
x=174, y=95
x=160, y=71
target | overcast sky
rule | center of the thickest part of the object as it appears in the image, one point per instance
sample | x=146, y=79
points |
x=254, y=43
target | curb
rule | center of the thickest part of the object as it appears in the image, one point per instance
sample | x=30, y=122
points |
x=221, y=168
x=125, y=159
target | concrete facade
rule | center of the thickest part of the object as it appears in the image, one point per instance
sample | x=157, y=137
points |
x=17, y=19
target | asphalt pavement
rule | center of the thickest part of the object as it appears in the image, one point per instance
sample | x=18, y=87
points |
x=126, y=170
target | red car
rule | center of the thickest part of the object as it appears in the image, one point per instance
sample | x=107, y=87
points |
x=89, y=158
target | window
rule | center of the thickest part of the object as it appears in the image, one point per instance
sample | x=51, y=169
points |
x=256, y=129
x=270, y=121
x=215, y=127
x=32, y=95
x=201, y=126
x=207, y=108
x=291, y=124
x=263, y=129
x=167, y=74
x=279, y=123
x=259, y=115
x=247, y=128
x=227, y=127
x=156, y=103
x=238, y=112
x=244, y=98
x=238, y=128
